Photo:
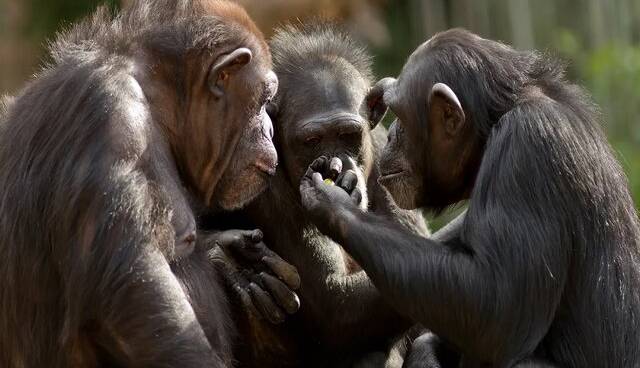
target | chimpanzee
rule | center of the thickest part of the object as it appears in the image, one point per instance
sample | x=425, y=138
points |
x=544, y=268
x=320, y=109
x=139, y=121
x=5, y=103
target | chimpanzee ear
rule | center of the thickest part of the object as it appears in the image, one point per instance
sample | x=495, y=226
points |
x=225, y=66
x=374, y=105
x=445, y=105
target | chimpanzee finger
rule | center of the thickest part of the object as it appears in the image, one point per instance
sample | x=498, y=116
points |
x=246, y=237
x=319, y=164
x=356, y=196
x=241, y=245
x=265, y=305
x=285, y=271
x=335, y=168
x=348, y=181
x=251, y=252
x=285, y=298
x=305, y=182
x=316, y=178
x=235, y=282
x=206, y=242
x=233, y=238
x=246, y=301
x=257, y=236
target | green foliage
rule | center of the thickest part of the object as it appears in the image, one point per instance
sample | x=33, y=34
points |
x=48, y=16
x=611, y=72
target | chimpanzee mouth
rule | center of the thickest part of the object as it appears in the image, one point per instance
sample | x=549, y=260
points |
x=266, y=169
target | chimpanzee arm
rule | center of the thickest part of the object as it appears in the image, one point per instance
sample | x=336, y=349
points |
x=119, y=280
x=344, y=307
x=496, y=289
x=471, y=299
x=380, y=200
x=356, y=311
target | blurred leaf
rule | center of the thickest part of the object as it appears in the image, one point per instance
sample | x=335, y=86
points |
x=49, y=16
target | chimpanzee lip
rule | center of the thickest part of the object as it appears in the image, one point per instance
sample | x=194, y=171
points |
x=265, y=168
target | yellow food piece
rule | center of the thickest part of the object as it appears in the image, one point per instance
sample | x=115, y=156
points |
x=329, y=181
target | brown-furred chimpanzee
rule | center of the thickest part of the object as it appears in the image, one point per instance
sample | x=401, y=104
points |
x=319, y=109
x=139, y=121
x=544, y=268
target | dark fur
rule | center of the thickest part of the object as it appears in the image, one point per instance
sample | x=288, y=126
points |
x=90, y=194
x=546, y=263
x=341, y=315
x=296, y=47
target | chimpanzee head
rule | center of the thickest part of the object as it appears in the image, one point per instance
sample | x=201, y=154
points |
x=450, y=93
x=319, y=110
x=215, y=119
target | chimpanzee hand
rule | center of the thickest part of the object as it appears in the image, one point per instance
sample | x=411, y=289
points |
x=321, y=198
x=258, y=277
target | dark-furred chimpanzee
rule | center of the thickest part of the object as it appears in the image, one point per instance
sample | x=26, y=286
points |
x=319, y=109
x=546, y=262
x=138, y=122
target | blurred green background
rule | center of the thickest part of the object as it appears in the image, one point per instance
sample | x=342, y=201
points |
x=598, y=38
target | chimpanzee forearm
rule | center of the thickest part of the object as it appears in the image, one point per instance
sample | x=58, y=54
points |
x=360, y=313
x=345, y=308
x=123, y=284
x=162, y=329
x=443, y=287
x=386, y=251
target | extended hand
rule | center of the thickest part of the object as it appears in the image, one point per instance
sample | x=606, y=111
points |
x=322, y=198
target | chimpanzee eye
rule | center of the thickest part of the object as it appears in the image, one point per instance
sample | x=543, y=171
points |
x=312, y=141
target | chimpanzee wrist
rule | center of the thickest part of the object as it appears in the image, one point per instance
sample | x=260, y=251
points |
x=339, y=221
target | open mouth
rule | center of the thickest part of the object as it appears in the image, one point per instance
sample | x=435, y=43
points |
x=392, y=175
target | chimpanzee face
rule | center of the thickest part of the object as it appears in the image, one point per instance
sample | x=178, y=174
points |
x=220, y=133
x=224, y=135
x=402, y=164
x=319, y=113
x=243, y=102
x=430, y=145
